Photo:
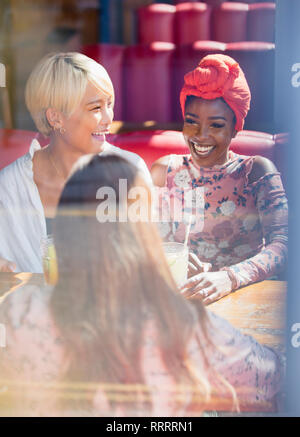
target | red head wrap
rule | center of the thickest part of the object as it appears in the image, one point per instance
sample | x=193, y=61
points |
x=219, y=76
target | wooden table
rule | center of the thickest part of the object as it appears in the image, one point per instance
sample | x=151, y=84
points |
x=257, y=310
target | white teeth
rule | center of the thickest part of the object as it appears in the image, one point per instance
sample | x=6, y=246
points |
x=201, y=149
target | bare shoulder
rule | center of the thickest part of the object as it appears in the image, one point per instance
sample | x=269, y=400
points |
x=261, y=166
x=159, y=171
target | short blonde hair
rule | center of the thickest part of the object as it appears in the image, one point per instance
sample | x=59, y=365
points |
x=59, y=81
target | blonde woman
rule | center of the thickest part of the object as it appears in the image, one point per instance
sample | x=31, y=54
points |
x=71, y=99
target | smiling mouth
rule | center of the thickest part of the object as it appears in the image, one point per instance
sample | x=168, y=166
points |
x=100, y=136
x=201, y=150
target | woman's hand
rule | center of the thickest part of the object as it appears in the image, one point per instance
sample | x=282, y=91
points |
x=7, y=266
x=209, y=286
x=196, y=266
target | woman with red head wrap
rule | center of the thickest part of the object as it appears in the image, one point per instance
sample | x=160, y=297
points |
x=240, y=231
x=219, y=76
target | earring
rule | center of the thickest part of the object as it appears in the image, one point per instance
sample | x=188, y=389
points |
x=62, y=130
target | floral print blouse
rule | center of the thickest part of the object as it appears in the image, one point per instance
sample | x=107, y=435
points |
x=239, y=226
x=35, y=355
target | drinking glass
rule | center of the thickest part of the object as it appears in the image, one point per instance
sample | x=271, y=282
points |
x=177, y=255
x=49, y=260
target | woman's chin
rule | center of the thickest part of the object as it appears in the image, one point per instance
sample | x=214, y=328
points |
x=97, y=144
x=207, y=160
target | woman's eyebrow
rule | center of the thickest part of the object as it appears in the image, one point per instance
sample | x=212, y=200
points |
x=191, y=114
x=217, y=117
x=213, y=117
x=94, y=101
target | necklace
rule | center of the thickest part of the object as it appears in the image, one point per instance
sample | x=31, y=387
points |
x=53, y=164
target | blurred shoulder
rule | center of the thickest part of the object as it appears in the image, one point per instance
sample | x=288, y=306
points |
x=261, y=166
x=131, y=157
x=159, y=170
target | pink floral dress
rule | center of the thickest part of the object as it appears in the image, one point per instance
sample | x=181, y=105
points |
x=240, y=226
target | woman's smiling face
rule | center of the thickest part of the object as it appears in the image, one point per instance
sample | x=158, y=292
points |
x=90, y=122
x=208, y=130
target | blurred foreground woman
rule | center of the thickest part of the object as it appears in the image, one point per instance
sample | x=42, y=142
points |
x=115, y=337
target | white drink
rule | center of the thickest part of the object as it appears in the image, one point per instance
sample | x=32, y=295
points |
x=177, y=257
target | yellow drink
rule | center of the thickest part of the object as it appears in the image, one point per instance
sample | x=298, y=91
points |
x=49, y=261
x=177, y=257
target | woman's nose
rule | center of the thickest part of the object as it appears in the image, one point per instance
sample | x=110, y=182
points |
x=107, y=115
x=201, y=131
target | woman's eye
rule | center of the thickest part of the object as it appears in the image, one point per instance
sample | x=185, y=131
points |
x=217, y=125
x=189, y=121
x=97, y=108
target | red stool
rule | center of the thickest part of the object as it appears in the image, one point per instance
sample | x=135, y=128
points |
x=261, y=22
x=147, y=83
x=229, y=22
x=185, y=59
x=257, y=61
x=111, y=57
x=155, y=23
x=192, y=22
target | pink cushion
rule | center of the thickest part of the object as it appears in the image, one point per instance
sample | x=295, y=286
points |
x=147, y=83
x=155, y=23
x=151, y=145
x=192, y=22
x=111, y=57
x=176, y=2
x=261, y=22
x=262, y=144
x=229, y=22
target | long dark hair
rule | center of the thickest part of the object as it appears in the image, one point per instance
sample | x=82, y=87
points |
x=114, y=285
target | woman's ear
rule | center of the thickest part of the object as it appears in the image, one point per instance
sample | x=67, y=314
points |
x=54, y=118
x=234, y=133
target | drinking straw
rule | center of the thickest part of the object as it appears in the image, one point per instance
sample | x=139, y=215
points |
x=187, y=232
